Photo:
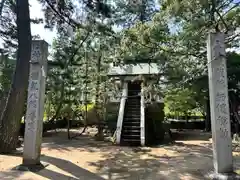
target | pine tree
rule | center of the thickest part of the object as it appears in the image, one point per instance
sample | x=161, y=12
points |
x=12, y=114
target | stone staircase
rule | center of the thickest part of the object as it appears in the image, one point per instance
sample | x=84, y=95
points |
x=130, y=135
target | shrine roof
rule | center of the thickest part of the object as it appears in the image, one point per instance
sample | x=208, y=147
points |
x=134, y=69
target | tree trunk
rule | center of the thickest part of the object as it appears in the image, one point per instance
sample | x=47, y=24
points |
x=13, y=112
x=97, y=104
x=142, y=16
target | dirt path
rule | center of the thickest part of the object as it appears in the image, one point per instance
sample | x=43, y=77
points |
x=86, y=159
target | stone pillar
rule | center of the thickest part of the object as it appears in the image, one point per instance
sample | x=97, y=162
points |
x=35, y=103
x=219, y=104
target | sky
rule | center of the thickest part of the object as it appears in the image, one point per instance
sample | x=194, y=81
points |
x=36, y=11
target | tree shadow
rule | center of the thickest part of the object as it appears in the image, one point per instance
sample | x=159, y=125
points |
x=169, y=162
x=68, y=170
x=10, y=175
x=85, y=142
x=205, y=149
x=74, y=170
x=141, y=165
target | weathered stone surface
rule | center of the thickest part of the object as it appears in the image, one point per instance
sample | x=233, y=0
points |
x=35, y=104
x=219, y=104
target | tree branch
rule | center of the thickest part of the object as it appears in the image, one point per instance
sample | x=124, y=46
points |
x=223, y=21
x=224, y=4
x=65, y=18
x=236, y=5
x=1, y=7
x=232, y=38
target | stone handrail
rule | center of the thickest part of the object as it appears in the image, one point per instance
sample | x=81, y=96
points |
x=142, y=118
x=121, y=112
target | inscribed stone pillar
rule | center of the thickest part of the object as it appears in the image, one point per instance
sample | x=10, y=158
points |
x=219, y=105
x=35, y=103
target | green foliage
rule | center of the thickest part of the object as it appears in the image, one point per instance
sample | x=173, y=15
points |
x=6, y=72
x=142, y=42
x=89, y=107
x=76, y=76
x=180, y=101
x=128, y=12
x=192, y=98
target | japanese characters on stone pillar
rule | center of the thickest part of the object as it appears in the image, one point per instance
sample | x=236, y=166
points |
x=35, y=103
x=220, y=118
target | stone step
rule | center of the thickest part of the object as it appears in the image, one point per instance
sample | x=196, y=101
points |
x=133, y=100
x=128, y=111
x=127, y=127
x=136, y=109
x=131, y=120
x=127, y=119
x=131, y=114
x=133, y=108
x=132, y=117
x=130, y=143
x=131, y=131
x=131, y=136
x=130, y=140
x=135, y=123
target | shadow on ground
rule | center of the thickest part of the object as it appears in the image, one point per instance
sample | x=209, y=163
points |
x=64, y=170
x=10, y=175
x=175, y=161
x=132, y=163
x=185, y=164
x=74, y=171
x=85, y=142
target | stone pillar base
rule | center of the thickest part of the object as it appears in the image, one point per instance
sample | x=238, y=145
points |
x=32, y=168
x=224, y=176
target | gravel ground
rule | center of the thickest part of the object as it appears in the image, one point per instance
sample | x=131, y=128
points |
x=189, y=158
